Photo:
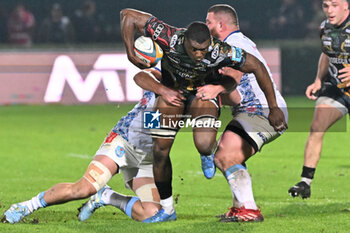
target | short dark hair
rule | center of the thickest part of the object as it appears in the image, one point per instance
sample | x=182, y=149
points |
x=197, y=31
x=227, y=9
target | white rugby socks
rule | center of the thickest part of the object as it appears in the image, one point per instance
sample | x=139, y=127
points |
x=168, y=205
x=35, y=203
x=241, y=186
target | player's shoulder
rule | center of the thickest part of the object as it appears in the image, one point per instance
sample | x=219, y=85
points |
x=326, y=26
x=220, y=46
x=346, y=25
x=324, y=23
x=241, y=40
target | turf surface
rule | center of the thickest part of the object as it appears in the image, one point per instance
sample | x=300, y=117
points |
x=44, y=145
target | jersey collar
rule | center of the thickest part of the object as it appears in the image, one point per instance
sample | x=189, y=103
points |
x=231, y=34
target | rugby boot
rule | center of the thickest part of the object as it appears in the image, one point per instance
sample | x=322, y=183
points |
x=208, y=166
x=15, y=213
x=161, y=216
x=242, y=215
x=231, y=211
x=300, y=189
x=89, y=207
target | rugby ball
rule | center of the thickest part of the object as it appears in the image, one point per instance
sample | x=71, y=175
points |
x=148, y=50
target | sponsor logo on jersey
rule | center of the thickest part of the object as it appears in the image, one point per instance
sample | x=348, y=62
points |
x=347, y=42
x=173, y=58
x=236, y=54
x=151, y=120
x=184, y=74
x=119, y=151
x=157, y=32
x=327, y=31
x=327, y=43
x=173, y=41
x=336, y=60
x=215, y=52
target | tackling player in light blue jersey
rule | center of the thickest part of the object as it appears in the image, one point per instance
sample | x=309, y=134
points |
x=252, y=126
x=127, y=150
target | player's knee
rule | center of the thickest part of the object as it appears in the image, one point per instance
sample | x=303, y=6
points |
x=205, y=147
x=161, y=150
x=97, y=175
x=150, y=209
x=148, y=193
x=149, y=198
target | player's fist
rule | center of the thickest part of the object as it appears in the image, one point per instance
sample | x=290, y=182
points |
x=312, y=90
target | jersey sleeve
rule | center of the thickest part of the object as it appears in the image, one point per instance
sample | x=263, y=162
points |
x=160, y=32
x=237, y=56
x=231, y=56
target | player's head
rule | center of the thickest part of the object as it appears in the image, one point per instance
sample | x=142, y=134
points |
x=336, y=10
x=222, y=19
x=197, y=40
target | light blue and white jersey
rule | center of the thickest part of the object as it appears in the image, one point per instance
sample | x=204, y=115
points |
x=130, y=127
x=253, y=99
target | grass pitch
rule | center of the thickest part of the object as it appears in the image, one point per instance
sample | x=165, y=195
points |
x=44, y=145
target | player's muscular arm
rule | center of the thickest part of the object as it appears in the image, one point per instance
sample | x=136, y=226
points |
x=276, y=116
x=253, y=65
x=323, y=64
x=130, y=22
x=148, y=80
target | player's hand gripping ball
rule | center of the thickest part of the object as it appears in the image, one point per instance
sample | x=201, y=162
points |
x=148, y=50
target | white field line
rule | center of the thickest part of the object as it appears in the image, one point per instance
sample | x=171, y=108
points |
x=81, y=156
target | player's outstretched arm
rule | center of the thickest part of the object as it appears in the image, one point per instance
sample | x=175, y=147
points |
x=276, y=116
x=131, y=21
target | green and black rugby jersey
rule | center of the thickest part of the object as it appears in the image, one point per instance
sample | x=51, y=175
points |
x=178, y=70
x=336, y=45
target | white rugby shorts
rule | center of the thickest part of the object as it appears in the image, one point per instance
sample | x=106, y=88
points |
x=132, y=162
x=333, y=103
x=257, y=128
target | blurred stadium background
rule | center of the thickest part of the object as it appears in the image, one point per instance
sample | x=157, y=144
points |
x=82, y=37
